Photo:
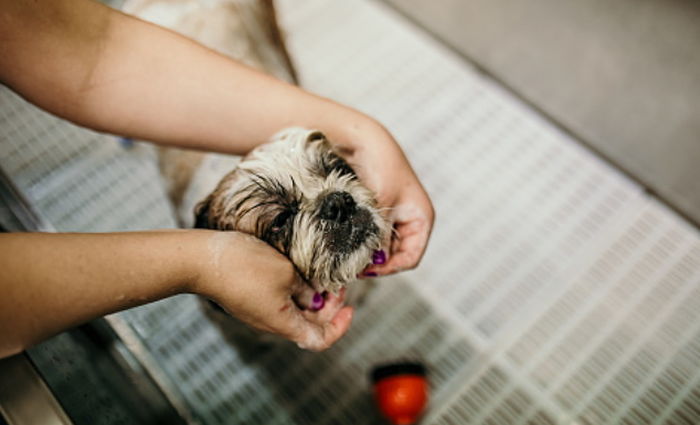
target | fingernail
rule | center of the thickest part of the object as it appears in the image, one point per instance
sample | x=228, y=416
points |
x=379, y=257
x=317, y=302
x=370, y=274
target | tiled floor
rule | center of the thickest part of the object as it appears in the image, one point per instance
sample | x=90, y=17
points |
x=621, y=75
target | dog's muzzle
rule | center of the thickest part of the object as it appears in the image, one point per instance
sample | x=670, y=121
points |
x=346, y=225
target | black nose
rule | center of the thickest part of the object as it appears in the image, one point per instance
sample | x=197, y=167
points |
x=337, y=206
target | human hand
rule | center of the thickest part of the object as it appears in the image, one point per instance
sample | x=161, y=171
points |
x=258, y=285
x=382, y=166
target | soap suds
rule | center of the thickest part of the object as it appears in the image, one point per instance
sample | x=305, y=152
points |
x=216, y=245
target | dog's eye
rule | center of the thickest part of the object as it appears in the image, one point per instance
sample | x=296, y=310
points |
x=280, y=230
x=281, y=220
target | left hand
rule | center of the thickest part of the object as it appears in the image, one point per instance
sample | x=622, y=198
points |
x=254, y=282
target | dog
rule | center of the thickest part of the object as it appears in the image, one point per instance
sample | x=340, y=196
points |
x=296, y=192
x=301, y=197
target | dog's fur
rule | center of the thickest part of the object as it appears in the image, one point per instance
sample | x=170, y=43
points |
x=298, y=195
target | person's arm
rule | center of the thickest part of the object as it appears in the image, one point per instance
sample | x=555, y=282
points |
x=112, y=72
x=51, y=282
x=109, y=71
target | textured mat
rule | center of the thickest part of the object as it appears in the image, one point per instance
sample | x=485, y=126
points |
x=554, y=289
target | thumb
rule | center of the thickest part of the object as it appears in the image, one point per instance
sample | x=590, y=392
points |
x=304, y=295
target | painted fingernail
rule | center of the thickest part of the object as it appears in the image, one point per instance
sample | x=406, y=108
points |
x=379, y=257
x=370, y=274
x=317, y=302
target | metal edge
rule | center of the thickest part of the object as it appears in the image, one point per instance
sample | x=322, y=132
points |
x=25, y=399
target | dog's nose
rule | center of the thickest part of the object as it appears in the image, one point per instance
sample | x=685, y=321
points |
x=337, y=206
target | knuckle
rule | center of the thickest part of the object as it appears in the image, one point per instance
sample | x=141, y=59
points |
x=287, y=267
x=323, y=347
x=312, y=344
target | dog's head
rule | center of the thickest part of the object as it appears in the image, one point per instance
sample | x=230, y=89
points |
x=298, y=195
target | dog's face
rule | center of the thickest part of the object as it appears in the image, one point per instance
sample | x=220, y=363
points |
x=299, y=196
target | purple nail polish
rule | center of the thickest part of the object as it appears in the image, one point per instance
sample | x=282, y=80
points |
x=370, y=274
x=379, y=257
x=317, y=302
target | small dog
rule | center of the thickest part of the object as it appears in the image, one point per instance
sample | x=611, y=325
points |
x=298, y=195
x=295, y=193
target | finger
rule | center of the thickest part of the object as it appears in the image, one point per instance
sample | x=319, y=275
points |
x=314, y=337
x=304, y=295
x=333, y=304
x=408, y=248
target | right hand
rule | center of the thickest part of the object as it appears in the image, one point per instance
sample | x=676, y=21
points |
x=381, y=165
x=254, y=282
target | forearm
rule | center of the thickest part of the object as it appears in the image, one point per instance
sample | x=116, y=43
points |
x=109, y=71
x=51, y=282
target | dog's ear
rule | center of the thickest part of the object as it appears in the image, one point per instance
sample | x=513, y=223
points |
x=201, y=214
x=315, y=136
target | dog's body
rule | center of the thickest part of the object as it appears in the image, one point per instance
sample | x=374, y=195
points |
x=295, y=192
